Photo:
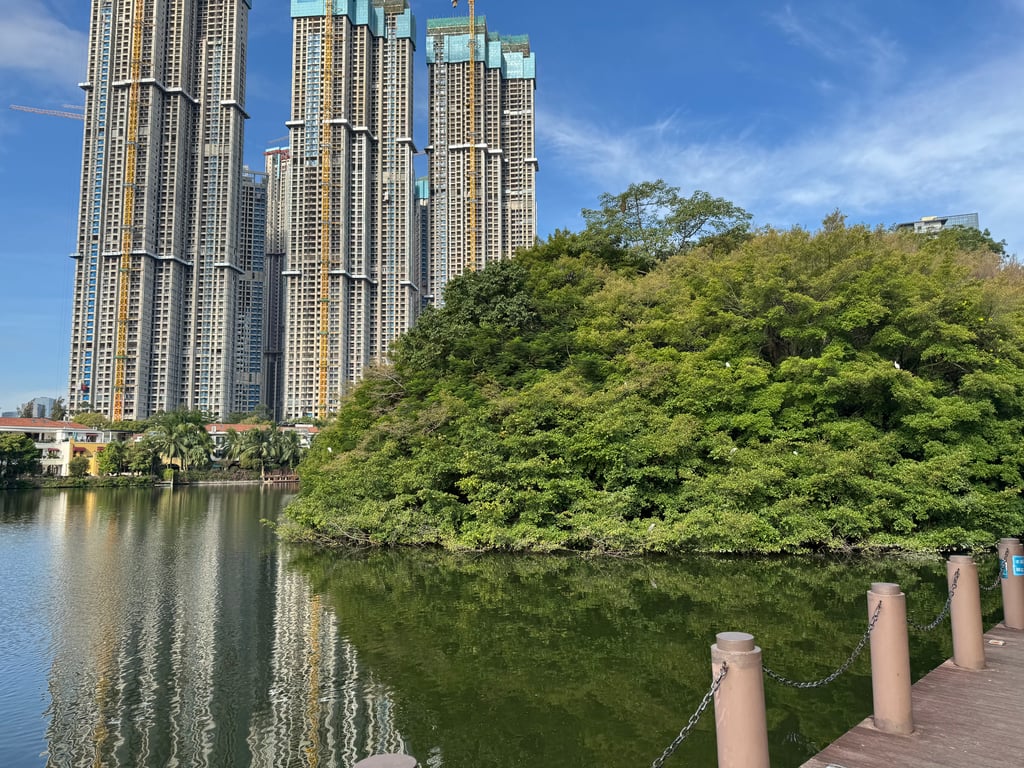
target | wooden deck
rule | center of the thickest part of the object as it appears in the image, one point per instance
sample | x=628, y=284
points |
x=962, y=719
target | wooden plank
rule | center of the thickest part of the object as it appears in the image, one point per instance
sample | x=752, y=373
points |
x=962, y=718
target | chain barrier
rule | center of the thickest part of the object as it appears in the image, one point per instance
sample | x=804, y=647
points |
x=999, y=574
x=842, y=667
x=942, y=614
x=692, y=722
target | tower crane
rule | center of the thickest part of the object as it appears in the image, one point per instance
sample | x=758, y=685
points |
x=51, y=112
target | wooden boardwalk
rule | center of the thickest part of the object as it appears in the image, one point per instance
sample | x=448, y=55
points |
x=962, y=719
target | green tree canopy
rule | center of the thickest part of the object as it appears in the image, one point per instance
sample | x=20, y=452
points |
x=652, y=221
x=18, y=455
x=92, y=419
x=112, y=459
x=842, y=388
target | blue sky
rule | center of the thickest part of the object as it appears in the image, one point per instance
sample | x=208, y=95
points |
x=888, y=111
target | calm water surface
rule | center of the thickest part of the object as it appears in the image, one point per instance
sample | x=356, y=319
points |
x=170, y=628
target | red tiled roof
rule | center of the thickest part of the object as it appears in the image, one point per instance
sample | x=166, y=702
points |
x=44, y=424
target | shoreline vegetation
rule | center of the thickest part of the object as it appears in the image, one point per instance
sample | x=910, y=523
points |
x=189, y=478
x=670, y=381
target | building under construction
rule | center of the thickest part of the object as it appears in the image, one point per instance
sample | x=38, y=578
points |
x=483, y=164
x=352, y=276
x=158, y=253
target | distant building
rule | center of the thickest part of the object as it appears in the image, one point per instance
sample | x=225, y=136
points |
x=929, y=224
x=249, y=310
x=278, y=169
x=42, y=407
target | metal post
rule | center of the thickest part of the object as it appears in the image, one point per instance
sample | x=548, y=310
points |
x=890, y=660
x=965, y=613
x=388, y=761
x=1013, y=582
x=740, y=721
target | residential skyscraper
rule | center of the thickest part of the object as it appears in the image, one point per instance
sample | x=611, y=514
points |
x=251, y=305
x=158, y=235
x=352, y=274
x=483, y=164
x=279, y=186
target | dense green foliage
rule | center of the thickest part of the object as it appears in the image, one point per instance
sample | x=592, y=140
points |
x=18, y=455
x=794, y=391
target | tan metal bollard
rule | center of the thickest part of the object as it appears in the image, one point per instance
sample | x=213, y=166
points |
x=965, y=613
x=388, y=761
x=740, y=722
x=1013, y=585
x=890, y=660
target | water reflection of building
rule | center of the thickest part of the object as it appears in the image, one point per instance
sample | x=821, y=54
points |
x=325, y=708
x=180, y=638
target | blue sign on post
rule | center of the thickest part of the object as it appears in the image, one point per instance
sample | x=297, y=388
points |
x=1018, y=565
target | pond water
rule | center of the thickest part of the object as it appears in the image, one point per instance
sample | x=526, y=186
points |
x=170, y=627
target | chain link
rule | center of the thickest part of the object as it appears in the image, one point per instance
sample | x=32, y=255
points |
x=942, y=614
x=692, y=722
x=842, y=668
x=999, y=574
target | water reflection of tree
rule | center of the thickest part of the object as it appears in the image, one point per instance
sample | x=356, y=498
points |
x=565, y=661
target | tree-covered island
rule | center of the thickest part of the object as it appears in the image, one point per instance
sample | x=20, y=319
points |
x=667, y=380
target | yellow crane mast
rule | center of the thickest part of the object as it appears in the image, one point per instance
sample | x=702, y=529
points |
x=128, y=212
x=327, y=105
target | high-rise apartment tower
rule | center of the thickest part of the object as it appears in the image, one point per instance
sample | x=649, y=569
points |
x=250, y=312
x=279, y=175
x=157, y=260
x=352, y=277
x=483, y=164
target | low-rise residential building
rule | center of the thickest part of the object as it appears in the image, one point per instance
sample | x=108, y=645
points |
x=58, y=441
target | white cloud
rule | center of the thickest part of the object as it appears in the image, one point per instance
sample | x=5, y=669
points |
x=837, y=34
x=932, y=148
x=35, y=43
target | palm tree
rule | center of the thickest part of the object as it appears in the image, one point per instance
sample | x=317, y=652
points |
x=171, y=442
x=185, y=442
x=259, y=448
x=231, y=448
x=289, y=449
